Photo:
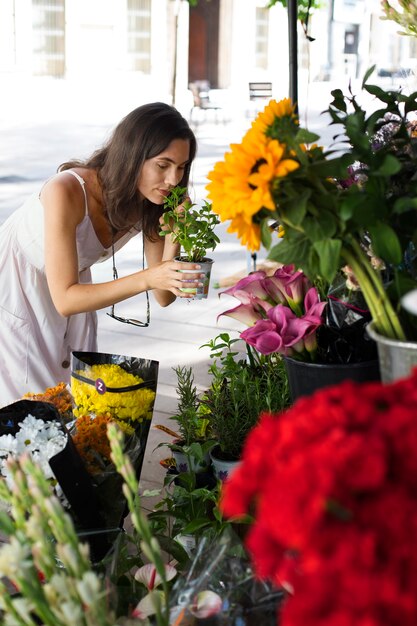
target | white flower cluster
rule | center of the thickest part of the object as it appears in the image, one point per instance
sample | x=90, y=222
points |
x=42, y=440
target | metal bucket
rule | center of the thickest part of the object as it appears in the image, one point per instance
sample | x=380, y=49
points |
x=396, y=358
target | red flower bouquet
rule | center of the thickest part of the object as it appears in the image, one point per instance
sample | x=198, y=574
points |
x=332, y=485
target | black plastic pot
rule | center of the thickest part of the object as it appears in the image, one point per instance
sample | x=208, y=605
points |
x=305, y=378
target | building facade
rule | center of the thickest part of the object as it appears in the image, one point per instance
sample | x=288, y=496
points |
x=159, y=46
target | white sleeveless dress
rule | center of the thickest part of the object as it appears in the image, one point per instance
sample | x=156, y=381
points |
x=35, y=340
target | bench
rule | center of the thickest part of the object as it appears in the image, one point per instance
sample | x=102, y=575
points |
x=260, y=91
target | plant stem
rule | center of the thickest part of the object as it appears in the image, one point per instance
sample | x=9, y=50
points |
x=383, y=314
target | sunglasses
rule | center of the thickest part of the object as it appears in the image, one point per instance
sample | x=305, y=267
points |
x=128, y=320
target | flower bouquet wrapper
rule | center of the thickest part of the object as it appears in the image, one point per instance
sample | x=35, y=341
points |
x=343, y=337
x=68, y=468
x=129, y=404
x=220, y=588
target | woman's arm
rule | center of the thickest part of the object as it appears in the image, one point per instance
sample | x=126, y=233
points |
x=64, y=204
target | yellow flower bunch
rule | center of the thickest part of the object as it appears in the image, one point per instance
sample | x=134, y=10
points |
x=129, y=406
x=241, y=185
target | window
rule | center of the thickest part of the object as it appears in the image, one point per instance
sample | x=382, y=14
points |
x=48, y=26
x=261, y=38
x=139, y=35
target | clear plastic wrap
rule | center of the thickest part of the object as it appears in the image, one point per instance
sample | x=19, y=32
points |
x=220, y=588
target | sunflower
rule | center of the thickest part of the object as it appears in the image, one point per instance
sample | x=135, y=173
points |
x=278, y=120
x=273, y=166
x=230, y=192
x=247, y=231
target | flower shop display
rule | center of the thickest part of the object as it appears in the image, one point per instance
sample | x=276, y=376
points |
x=277, y=176
x=118, y=388
x=334, y=504
x=322, y=342
x=192, y=228
x=46, y=576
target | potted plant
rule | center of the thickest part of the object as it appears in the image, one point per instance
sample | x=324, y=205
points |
x=191, y=444
x=241, y=389
x=192, y=228
x=322, y=340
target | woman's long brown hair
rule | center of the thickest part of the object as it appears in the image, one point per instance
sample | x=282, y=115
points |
x=142, y=134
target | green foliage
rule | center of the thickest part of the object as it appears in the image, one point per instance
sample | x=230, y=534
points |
x=328, y=225
x=190, y=226
x=304, y=6
x=185, y=514
x=241, y=389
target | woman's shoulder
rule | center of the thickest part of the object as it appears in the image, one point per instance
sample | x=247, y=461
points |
x=63, y=190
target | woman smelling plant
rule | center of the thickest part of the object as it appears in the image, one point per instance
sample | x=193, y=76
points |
x=81, y=216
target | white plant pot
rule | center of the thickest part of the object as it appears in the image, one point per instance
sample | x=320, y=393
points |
x=184, y=463
x=223, y=469
x=200, y=293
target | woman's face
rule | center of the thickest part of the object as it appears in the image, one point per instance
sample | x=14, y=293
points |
x=164, y=171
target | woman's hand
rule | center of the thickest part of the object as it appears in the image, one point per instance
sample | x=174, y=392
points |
x=173, y=276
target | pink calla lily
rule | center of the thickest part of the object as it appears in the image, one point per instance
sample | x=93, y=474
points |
x=244, y=313
x=312, y=304
x=263, y=336
x=244, y=283
x=206, y=604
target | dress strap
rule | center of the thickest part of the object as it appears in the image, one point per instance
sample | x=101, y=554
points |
x=82, y=183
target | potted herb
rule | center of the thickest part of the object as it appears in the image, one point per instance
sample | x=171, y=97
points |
x=241, y=389
x=191, y=445
x=192, y=227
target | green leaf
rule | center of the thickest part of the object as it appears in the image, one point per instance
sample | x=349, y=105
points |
x=328, y=251
x=385, y=243
x=321, y=228
x=390, y=165
x=295, y=209
x=368, y=74
x=402, y=205
x=195, y=525
x=379, y=93
x=305, y=136
x=298, y=251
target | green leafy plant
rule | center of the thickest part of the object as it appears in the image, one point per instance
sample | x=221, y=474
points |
x=190, y=226
x=185, y=514
x=240, y=390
